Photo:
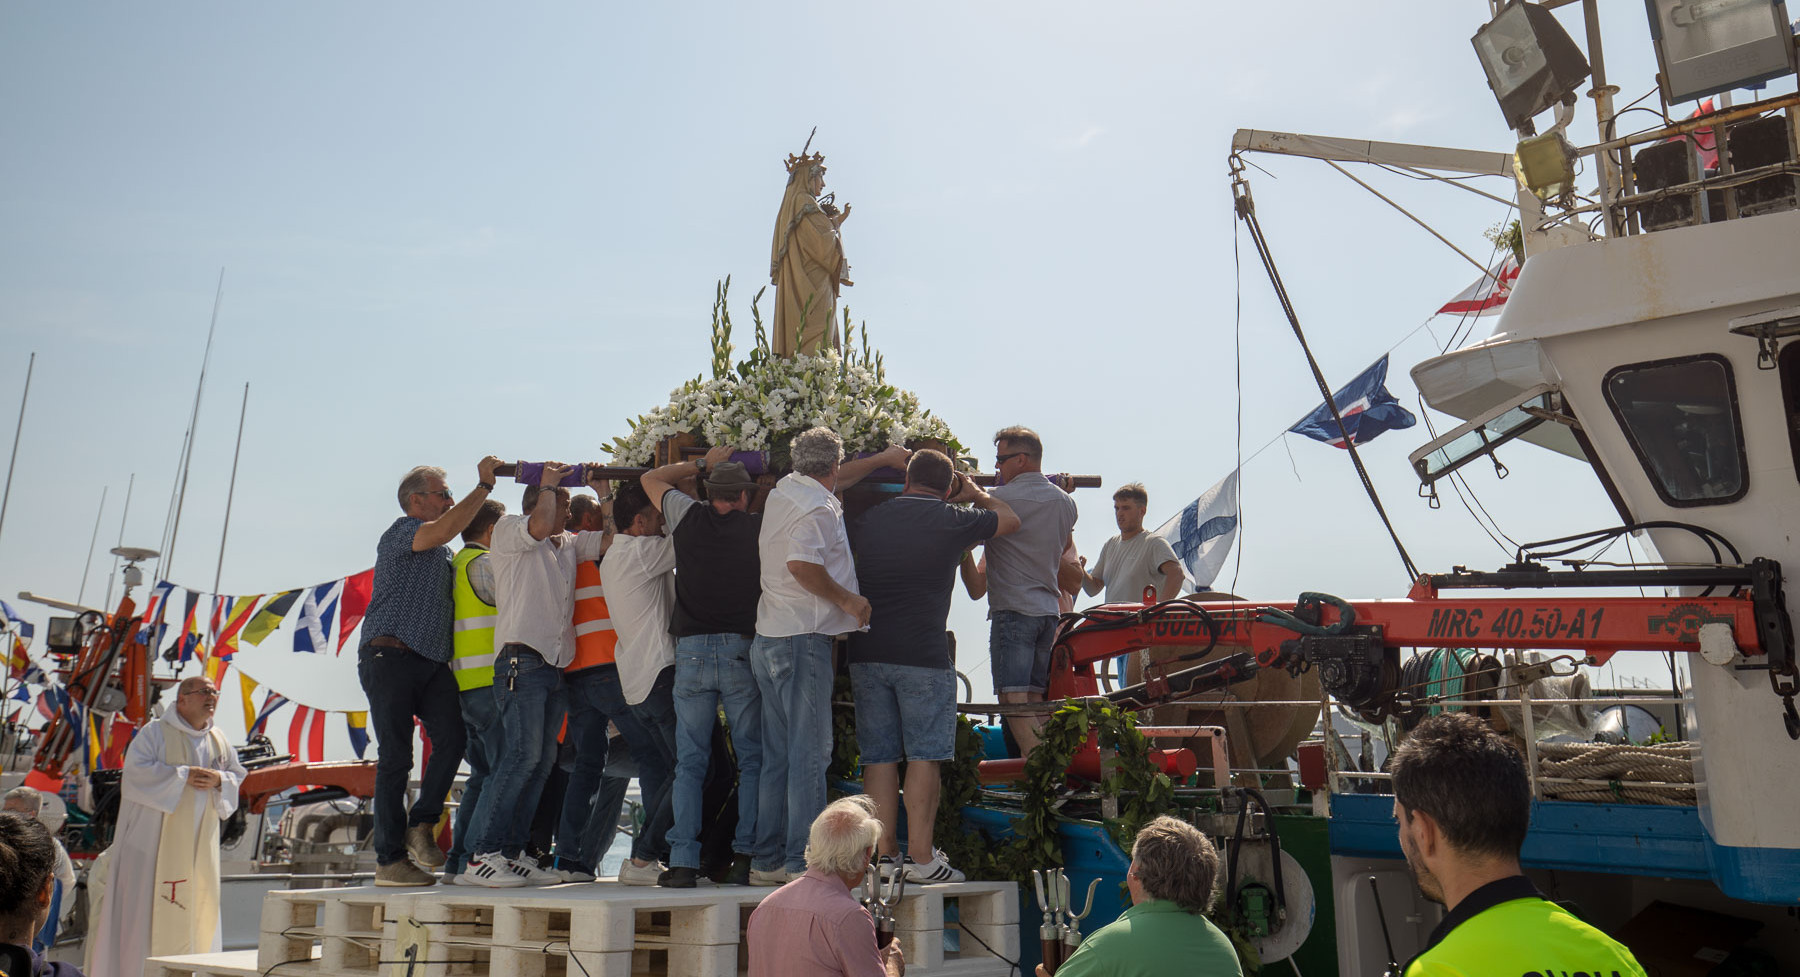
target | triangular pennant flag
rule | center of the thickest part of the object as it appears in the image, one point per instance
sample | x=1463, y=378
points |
x=269, y=618
x=227, y=642
x=17, y=661
x=1488, y=294
x=248, y=686
x=150, y=630
x=312, y=631
x=272, y=704
x=190, y=628
x=357, y=590
x=357, y=724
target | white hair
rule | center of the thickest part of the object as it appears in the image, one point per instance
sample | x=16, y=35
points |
x=842, y=836
x=814, y=451
x=30, y=796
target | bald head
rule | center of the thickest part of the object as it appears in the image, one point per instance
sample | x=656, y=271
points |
x=196, y=698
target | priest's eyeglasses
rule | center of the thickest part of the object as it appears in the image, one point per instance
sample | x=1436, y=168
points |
x=209, y=693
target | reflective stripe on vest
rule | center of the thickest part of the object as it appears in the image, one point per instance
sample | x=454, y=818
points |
x=472, y=634
x=594, y=637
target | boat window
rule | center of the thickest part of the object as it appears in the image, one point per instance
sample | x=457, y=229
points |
x=1790, y=398
x=1681, y=418
x=1487, y=431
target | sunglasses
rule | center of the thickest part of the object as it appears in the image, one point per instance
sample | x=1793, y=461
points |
x=1003, y=459
x=440, y=493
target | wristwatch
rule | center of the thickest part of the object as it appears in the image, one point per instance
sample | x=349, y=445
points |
x=700, y=465
x=485, y=486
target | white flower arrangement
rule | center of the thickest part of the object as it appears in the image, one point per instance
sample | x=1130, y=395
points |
x=760, y=403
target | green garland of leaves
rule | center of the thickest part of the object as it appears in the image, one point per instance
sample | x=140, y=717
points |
x=1128, y=771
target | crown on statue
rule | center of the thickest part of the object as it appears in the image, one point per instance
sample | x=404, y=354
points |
x=795, y=162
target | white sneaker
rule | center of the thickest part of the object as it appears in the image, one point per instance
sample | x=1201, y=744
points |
x=936, y=870
x=528, y=869
x=767, y=878
x=491, y=870
x=631, y=873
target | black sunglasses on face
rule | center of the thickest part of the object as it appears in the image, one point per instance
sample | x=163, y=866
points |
x=1003, y=459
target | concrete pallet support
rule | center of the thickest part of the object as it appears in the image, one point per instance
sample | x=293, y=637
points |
x=583, y=930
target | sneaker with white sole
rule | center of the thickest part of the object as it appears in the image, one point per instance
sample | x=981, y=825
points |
x=570, y=870
x=936, y=870
x=768, y=877
x=491, y=870
x=528, y=869
x=631, y=873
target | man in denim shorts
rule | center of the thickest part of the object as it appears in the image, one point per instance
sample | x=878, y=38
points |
x=1021, y=576
x=901, y=670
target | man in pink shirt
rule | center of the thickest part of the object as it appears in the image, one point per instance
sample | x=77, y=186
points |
x=813, y=926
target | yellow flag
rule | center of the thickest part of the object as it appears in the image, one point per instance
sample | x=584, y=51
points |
x=248, y=684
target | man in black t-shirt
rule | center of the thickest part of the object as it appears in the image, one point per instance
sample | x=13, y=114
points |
x=717, y=585
x=901, y=669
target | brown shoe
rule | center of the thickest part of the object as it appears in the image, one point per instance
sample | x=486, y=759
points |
x=423, y=847
x=403, y=872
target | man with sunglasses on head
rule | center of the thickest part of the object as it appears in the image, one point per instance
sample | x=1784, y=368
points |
x=403, y=664
x=1022, y=571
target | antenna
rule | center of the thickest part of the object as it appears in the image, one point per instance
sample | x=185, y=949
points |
x=1393, y=966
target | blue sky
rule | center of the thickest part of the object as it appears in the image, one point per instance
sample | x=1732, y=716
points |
x=454, y=229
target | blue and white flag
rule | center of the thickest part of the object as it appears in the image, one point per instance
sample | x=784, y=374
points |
x=271, y=705
x=1366, y=406
x=312, y=631
x=10, y=618
x=1202, y=532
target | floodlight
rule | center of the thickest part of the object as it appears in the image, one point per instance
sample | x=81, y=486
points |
x=1708, y=46
x=1546, y=165
x=1530, y=61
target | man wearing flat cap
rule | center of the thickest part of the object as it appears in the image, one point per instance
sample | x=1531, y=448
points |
x=717, y=585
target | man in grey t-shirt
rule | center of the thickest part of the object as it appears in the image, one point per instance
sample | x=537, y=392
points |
x=1134, y=560
x=1021, y=576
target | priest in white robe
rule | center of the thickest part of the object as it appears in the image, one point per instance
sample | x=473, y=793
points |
x=159, y=882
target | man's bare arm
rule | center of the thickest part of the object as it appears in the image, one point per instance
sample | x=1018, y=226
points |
x=851, y=472
x=974, y=576
x=1173, y=577
x=965, y=490
x=658, y=481
x=440, y=531
x=817, y=582
x=542, y=524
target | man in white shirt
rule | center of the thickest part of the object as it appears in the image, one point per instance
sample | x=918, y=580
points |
x=638, y=576
x=534, y=636
x=809, y=597
x=1134, y=560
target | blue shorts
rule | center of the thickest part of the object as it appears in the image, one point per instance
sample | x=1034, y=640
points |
x=904, y=712
x=1019, y=650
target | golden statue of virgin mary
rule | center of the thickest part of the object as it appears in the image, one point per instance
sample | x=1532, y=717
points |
x=806, y=262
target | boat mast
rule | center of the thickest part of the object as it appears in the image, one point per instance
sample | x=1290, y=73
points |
x=95, y=538
x=115, y=570
x=219, y=572
x=168, y=557
x=7, y=496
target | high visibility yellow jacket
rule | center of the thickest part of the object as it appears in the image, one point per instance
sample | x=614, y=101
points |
x=472, y=628
x=1507, y=929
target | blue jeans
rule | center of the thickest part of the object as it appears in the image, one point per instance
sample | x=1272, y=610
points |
x=530, y=700
x=589, y=817
x=793, y=675
x=481, y=717
x=656, y=714
x=401, y=684
x=713, y=670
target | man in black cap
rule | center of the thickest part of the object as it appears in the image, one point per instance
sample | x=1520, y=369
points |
x=714, y=621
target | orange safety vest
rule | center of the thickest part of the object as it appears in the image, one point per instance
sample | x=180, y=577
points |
x=595, y=638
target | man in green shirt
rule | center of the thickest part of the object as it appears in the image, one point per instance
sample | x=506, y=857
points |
x=1463, y=801
x=1171, y=878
